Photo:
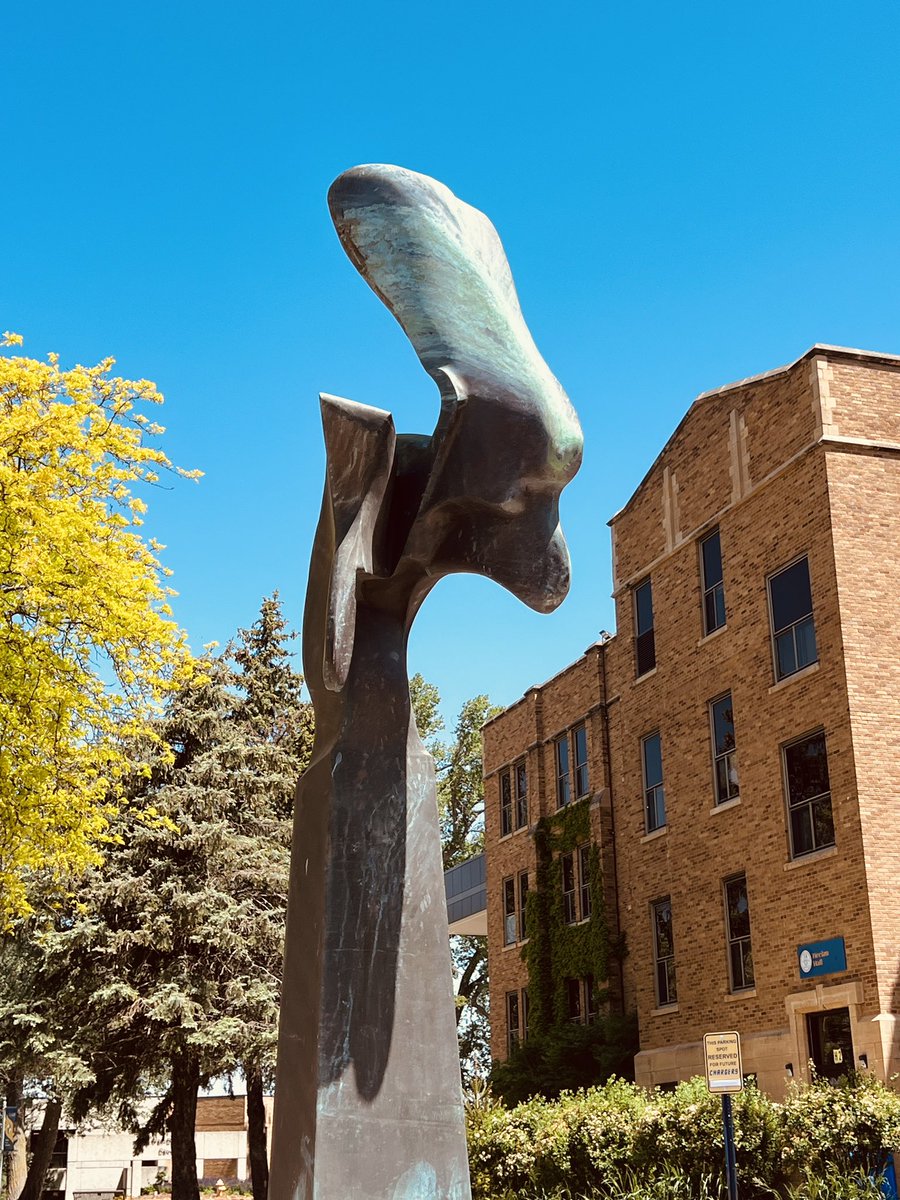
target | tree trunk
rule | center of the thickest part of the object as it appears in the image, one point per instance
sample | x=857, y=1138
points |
x=17, y=1159
x=40, y=1161
x=256, y=1135
x=182, y=1124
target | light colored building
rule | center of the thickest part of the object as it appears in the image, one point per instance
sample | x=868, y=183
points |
x=95, y=1161
x=737, y=740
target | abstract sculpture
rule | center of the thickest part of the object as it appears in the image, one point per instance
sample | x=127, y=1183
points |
x=368, y=1099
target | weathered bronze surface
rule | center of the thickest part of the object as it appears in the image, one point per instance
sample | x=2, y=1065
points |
x=368, y=1101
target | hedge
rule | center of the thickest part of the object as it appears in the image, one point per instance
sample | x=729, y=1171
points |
x=620, y=1140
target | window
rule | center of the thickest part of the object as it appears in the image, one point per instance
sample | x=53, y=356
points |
x=579, y=744
x=563, y=792
x=644, y=644
x=664, y=952
x=809, y=795
x=584, y=880
x=724, y=760
x=521, y=796
x=654, y=796
x=711, y=582
x=737, y=917
x=573, y=1000
x=581, y=1000
x=792, y=619
x=567, y=870
x=512, y=1021
x=505, y=804
x=590, y=1000
x=510, y=921
x=576, y=884
x=515, y=895
x=524, y=1013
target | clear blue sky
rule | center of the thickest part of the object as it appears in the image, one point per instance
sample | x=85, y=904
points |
x=688, y=194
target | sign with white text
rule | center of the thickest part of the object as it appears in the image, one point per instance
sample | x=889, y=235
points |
x=724, y=1074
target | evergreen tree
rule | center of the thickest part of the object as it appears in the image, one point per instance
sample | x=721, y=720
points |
x=179, y=940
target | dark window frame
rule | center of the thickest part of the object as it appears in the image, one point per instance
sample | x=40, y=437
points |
x=580, y=770
x=788, y=640
x=523, y=901
x=811, y=806
x=508, y=890
x=644, y=634
x=664, y=963
x=654, y=793
x=713, y=591
x=513, y=1031
x=563, y=772
x=520, y=791
x=506, y=809
x=569, y=894
x=726, y=781
x=740, y=945
x=584, y=880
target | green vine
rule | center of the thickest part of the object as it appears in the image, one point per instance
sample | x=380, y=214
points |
x=556, y=951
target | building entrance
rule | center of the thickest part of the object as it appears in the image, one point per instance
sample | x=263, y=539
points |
x=830, y=1043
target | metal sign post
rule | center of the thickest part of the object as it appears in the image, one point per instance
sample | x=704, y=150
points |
x=725, y=1077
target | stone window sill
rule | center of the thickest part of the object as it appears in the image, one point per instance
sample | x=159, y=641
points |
x=657, y=833
x=665, y=1011
x=815, y=856
x=708, y=637
x=725, y=805
x=743, y=994
x=646, y=675
x=803, y=673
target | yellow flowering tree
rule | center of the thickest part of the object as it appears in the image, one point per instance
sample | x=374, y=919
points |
x=88, y=647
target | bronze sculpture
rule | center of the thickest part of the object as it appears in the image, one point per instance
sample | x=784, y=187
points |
x=368, y=1100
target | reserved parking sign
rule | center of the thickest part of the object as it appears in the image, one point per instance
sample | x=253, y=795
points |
x=724, y=1074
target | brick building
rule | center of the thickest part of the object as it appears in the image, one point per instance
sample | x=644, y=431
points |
x=732, y=749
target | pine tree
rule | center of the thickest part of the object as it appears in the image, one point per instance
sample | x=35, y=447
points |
x=179, y=940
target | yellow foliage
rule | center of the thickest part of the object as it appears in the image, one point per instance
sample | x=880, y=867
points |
x=87, y=649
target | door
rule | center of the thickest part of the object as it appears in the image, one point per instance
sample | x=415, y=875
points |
x=830, y=1043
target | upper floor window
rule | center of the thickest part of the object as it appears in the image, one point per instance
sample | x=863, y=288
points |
x=584, y=880
x=579, y=746
x=505, y=804
x=563, y=789
x=644, y=643
x=713, y=587
x=513, y=1029
x=790, y=597
x=724, y=758
x=809, y=795
x=575, y=879
x=515, y=896
x=569, y=890
x=737, y=914
x=521, y=795
x=664, y=952
x=581, y=1000
x=654, y=795
x=509, y=911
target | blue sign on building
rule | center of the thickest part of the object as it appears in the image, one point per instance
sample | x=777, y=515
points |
x=822, y=958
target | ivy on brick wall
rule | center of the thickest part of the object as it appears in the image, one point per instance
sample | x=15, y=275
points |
x=558, y=1054
x=556, y=951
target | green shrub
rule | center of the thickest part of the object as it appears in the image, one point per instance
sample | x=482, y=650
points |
x=849, y=1125
x=567, y=1057
x=621, y=1142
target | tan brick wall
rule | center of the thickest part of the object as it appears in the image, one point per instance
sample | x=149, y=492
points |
x=865, y=401
x=751, y=459
x=216, y=1113
x=529, y=730
x=865, y=502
